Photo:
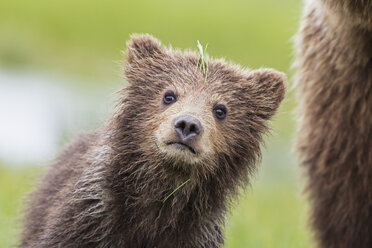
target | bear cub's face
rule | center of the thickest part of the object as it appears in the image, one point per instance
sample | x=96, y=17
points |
x=191, y=118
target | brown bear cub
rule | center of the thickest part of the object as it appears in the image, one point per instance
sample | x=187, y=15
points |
x=176, y=125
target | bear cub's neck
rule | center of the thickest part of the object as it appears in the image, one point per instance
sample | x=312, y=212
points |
x=135, y=198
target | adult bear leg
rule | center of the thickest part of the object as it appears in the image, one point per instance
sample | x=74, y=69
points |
x=334, y=141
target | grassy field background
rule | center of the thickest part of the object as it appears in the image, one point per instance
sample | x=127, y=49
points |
x=84, y=39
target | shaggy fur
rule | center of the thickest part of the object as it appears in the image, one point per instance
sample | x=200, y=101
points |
x=334, y=78
x=107, y=189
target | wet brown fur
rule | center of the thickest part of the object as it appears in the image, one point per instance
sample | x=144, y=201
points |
x=334, y=141
x=106, y=190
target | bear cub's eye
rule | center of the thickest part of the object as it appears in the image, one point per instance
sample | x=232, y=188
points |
x=169, y=97
x=220, y=111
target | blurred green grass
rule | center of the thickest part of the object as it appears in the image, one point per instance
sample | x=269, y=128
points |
x=273, y=211
x=14, y=184
x=84, y=39
x=68, y=34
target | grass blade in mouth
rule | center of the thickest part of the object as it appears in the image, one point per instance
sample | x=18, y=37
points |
x=174, y=191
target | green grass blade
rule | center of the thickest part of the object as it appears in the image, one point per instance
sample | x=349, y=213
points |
x=202, y=61
x=174, y=191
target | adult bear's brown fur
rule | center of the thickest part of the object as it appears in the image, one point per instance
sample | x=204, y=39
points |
x=108, y=188
x=335, y=133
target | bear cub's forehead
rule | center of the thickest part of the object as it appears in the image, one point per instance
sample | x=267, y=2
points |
x=218, y=69
x=147, y=57
x=151, y=67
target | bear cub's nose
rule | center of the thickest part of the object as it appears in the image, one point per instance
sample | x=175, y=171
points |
x=187, y=127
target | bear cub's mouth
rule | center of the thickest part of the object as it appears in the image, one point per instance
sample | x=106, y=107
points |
x=182, y=146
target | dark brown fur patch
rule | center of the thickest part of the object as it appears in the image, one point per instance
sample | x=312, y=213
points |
x=334, y=141
x=107, y=189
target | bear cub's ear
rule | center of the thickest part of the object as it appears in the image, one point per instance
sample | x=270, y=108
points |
x=142, y=46
x=267, y=87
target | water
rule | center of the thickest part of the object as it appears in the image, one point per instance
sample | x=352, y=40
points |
x=40, y=112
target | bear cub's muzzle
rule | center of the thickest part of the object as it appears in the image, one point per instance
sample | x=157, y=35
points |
x=187, y=128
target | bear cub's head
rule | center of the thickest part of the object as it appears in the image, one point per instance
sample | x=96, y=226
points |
x=197, y=121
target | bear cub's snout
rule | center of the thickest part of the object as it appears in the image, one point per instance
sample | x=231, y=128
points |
x=187, y=127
